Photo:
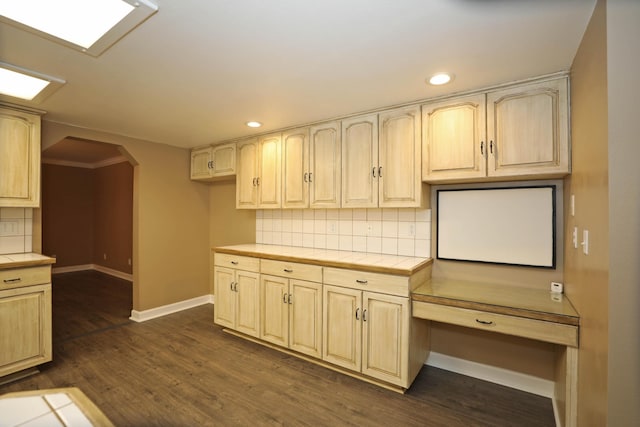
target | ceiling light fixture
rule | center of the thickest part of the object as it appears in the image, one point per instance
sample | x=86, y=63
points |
x=23, y=84
x=254, y=124
x=440, y=79
x=90, y=27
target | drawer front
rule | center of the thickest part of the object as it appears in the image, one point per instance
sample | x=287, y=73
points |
x=27, y=276
x=239, y=262
x=556, y=333
x=294, y=270
x=374, y=282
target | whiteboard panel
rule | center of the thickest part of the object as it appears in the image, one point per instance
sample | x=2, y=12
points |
x=497, y=225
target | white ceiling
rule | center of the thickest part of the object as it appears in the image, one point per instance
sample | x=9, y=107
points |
x=196, y=71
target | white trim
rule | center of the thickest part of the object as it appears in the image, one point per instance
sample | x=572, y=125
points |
x=96, y=267
x=556, y=413
x=95, y=165
x=505, y=377
x=71, y=268
x=152, y=313
x=114, y=273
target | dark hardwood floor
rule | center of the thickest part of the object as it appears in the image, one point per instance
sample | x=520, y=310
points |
x=182, y=370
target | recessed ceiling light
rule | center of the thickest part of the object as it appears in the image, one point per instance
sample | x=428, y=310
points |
x=16, y=82
x=87, y=26
x=440, y=79
x=254, y=124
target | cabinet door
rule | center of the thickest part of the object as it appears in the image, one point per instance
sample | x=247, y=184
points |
x=342, y=328
x=325, y=152
x=274, y=310
x=25, y=328
x=201, y=163
x=385, y=340
x=399, y=172
x=305, y=317
x=360, y=162
x=246, y=177
x=223, y=160
x=295, y=168
x=225, y=307
x=454, y=143
x=19, y=158
x=248, y=303
x=528, y=130
x=269, y=173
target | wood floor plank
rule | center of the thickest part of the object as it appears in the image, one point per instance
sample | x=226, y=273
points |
x=182, y=370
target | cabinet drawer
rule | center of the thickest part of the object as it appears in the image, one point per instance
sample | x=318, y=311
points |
x=28, y=276
x=511, y=325
x=237, y=261
x=294, y=270
x=376, y=282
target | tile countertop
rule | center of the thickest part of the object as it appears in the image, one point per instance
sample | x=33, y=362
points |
x=376, y=263
x=28, y=259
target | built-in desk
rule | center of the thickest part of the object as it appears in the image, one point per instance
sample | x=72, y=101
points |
x=512, y=310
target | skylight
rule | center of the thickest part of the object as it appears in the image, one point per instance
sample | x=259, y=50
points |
x=27, y=85
x=91, y=27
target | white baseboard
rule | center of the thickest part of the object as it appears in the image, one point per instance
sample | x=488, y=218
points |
x=505, y=377
x=152, y=313
x=96, y=267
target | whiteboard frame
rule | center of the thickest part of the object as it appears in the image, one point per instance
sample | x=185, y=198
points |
x=444, y=232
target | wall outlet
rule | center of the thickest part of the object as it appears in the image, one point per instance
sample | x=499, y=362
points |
x=556, y=287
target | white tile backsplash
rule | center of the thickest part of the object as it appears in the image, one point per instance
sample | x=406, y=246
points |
x=405, y=232
x=16, y=230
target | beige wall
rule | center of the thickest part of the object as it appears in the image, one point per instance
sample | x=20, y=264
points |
x=586, y=276
x=170, y=219
x=623, y=61
x=227, y=225
x=67, y=217
x=113, y=216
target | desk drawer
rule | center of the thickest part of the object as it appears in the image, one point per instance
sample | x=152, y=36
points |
x=239, y=262
x=26, y=276
x=293, y=270
x=374, y=282
x=556, y=333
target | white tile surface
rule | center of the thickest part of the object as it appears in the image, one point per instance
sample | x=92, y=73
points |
x=389, y=246
x=390, y=214
x=374, y=228
x=57, y=400
x=15, y=411
x=48, y=420
x=374, y=214
x=12, y=213
x=346, y=214
x=390, y=229
x=333, y=214
x=11, y=244
x=72, y=416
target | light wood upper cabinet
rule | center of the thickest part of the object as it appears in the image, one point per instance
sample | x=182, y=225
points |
x=295, y=168
x=269, y=171
x=520, y=132
x=247, y=174
x=19, y=158
x=399, y=173
x=211, y=163
x=527, y=128
x=325, y=175
x=360, y=162
x=258, y=179
x=454, y=138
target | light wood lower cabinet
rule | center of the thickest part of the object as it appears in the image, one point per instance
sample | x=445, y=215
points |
x=368, y=332
x=25, y=319
x=291, y=314
x=237, y=299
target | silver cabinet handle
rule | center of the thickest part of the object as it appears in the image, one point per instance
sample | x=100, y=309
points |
x=357, y=314
x=310, y=176
x=364, y=315
x=16, y=280
x=484, y=322
x=290, y=299
x=380, y=172
x=284, y=298
x=373, y=172
x=362, y=282
x=288, y=270
x=235, y=286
